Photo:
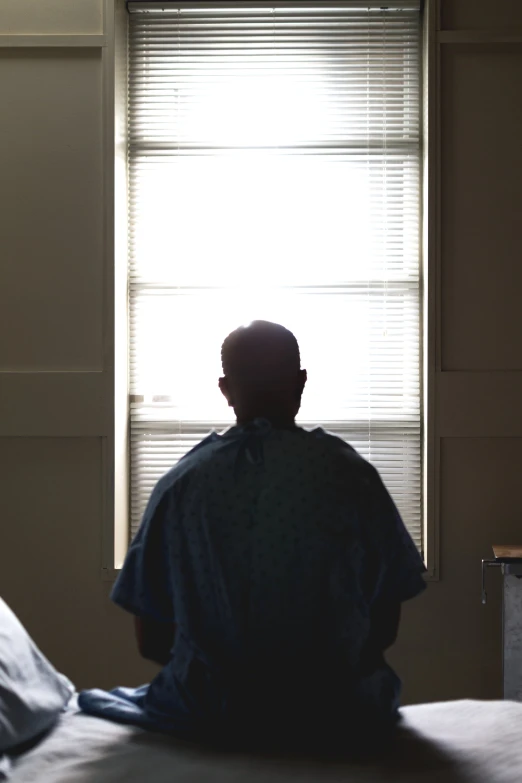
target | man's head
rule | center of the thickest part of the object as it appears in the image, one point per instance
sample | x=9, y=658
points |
x=262, y=373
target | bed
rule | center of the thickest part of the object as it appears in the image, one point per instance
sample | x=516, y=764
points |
x=454, y=742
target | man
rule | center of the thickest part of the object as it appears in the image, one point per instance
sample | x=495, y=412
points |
x=268, y=572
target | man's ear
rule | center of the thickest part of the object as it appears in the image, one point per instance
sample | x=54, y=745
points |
x=299, y=388
x=225, y=391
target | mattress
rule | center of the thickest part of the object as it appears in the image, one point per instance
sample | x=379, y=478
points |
x=454, y=742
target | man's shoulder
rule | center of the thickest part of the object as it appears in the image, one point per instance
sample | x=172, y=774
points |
x=339, y=449
x=188, y=463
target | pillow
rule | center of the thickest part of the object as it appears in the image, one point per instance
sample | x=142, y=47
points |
x=32, y=692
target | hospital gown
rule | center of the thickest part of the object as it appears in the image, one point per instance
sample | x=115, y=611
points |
x=267, y=549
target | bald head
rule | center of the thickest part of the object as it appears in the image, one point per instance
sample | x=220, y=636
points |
x=261, y=352
x=262, y=375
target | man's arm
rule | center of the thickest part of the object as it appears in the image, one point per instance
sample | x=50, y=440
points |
x=385, y=619
x=155, y=640
x=143, y=586
x=384, y=625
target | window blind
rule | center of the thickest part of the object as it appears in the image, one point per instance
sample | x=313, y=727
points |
x=274, y=173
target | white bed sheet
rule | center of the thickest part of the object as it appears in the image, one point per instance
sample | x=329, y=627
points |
x=454, y=742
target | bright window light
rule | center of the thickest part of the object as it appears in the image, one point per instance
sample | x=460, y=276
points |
x=274, y=174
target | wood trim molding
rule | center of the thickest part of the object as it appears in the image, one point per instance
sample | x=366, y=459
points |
x=512, y=35
x=53, y=41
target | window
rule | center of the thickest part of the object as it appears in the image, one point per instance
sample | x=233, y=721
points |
x=274, y=173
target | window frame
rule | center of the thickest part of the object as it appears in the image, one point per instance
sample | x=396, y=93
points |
x=117, y=462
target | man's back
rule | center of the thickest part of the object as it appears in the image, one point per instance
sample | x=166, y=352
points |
x=267, y=574
x=269, y=549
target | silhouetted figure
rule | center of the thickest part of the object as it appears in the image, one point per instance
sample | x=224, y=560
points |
x=267, y=575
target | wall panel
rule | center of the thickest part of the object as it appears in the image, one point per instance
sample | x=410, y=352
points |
x=450, y=645
x=480, y=14
x=481, y=205
x=51, y=203
x=51, y=17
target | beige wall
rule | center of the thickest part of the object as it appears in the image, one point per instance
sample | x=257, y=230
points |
x=56, y=334
x=450, y=644
x=57, y=339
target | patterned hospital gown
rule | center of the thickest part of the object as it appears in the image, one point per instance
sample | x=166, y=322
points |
x=267, y=549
